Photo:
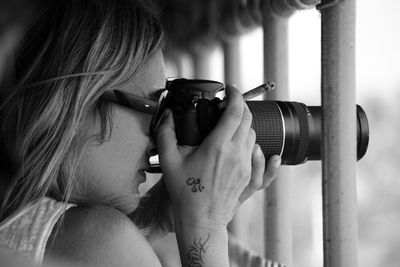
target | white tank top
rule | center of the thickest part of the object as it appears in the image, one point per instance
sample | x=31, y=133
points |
x=27, y=231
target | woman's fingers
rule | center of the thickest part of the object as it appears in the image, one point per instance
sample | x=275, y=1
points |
x=257, y=172
x=242, y=131
x=261, y=175
x=231, y=117
x=272, y=170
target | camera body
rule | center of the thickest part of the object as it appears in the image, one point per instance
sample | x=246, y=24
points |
x=195, y=108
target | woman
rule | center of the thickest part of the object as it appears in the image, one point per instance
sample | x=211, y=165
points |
x=76, y=160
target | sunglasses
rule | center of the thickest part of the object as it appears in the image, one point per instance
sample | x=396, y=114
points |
x=139, y=103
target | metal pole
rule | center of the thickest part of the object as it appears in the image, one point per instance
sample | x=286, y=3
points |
x=231, y=50
x=277, y=227
x=339, y=133
x=179, y=64
x=201, y=63
x=232, y=62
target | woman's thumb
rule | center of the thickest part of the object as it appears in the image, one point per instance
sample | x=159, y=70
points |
x=166, y=137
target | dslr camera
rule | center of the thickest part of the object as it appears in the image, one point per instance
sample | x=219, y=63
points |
x=289, y=129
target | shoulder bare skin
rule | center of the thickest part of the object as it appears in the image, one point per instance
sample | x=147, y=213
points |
x=99, y=236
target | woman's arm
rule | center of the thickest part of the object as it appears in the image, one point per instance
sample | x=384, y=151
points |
x=199, y=243
x=202, y=245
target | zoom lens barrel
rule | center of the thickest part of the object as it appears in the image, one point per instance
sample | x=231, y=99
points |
x=294, y=130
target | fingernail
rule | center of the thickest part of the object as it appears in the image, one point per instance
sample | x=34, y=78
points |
x=258, y=151
x=277, y=162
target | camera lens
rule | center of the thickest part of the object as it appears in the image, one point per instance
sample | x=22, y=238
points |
x=294, y=130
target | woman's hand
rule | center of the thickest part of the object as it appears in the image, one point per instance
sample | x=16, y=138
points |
x=207, y=183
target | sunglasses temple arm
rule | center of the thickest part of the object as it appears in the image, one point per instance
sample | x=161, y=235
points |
x=138, y=103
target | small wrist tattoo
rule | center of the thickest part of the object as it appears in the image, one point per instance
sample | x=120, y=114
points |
x=195, y=184
x=196, y=252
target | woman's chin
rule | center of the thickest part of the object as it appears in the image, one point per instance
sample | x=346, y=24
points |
x=126, y=203
x=129, y=205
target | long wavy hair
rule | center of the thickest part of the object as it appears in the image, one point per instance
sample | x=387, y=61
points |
x=74, y=51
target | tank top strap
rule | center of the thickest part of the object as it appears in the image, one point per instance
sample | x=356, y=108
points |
x=28, y=230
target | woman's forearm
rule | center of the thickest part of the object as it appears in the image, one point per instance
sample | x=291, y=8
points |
x=201, y=246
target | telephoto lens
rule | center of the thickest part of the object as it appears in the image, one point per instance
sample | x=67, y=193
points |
x=294, y=130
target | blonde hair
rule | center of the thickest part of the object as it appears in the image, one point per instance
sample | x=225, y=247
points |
x=71, y=55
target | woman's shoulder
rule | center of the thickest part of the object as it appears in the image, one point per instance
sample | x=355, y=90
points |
x=99, y=236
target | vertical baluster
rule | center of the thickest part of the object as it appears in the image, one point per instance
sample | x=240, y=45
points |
x=201, y=63
x=278, y=233
x=232, y=61
x=231, y=50
x=339, y=133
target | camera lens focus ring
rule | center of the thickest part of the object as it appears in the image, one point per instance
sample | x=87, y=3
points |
x=269, y=126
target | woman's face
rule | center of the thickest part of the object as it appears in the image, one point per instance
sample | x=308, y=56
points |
x=113, y=170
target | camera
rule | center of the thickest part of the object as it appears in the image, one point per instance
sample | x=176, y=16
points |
x=289, y=129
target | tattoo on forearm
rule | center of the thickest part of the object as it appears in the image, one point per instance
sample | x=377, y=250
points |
x=195, y=184
x=196, y=252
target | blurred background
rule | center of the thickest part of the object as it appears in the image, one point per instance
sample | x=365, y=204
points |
x=378, y=84
x=378, y=92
